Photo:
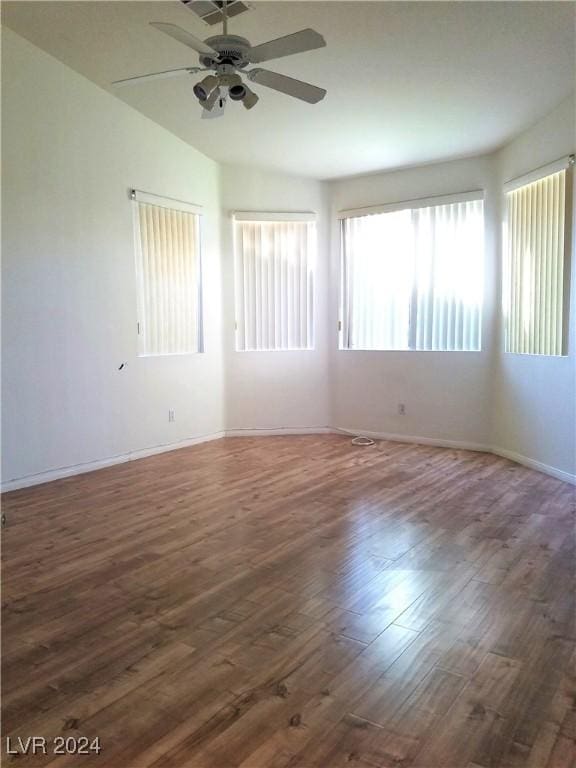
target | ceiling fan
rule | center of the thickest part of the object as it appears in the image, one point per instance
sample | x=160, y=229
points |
x=225, y=56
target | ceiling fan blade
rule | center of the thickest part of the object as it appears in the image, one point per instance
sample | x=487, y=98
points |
x=184, y=37
x=288, y=85
x=298, y=42
x=216, y=110
x=157, y=76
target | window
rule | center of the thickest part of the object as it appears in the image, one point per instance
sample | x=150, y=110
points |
x=536, y=262
x=168, y=269
x=274, y=265
x=412, y=276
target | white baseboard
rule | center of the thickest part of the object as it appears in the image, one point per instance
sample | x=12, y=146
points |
x=91, y=466
x=439, y=443
x=559, y=474
x=271, y=432
x=78, y=469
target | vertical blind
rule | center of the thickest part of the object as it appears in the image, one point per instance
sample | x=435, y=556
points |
x=169, y=285
x=535, y=266
x=413, y=278
x=274, y=266
x=377, y=281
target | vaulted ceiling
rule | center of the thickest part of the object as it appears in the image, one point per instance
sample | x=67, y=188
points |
x=408, y=82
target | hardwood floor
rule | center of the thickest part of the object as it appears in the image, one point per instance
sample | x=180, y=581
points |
x=294, y=601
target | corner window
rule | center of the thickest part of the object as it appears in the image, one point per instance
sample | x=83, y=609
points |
x=536, y=264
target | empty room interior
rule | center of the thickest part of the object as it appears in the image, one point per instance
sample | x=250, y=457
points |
x=288, y=384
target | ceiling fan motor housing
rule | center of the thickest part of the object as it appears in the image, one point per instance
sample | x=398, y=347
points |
x=231, y=49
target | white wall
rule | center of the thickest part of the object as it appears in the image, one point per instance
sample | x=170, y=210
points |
x=275, y=390
x=71, y=152
x=534, y=397
x=446, y=394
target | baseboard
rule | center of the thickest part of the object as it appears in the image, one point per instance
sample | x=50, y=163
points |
x=273, y=431
x=559, y=474
x=91, y=466
x=79, y=469
x=439, y=443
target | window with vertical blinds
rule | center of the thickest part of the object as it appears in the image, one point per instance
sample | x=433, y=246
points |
x=412, y=276
x=168, y=269
x=274, y=270
x=536, y=265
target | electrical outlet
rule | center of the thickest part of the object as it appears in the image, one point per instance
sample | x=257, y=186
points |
x=401, y=409
x=171, y=415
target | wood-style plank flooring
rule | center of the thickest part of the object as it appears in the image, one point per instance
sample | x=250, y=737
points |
x=291, y=602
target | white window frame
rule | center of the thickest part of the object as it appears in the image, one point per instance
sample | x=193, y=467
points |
x=138, y=196
x=271, y=217
x=565, y=163
x=423, y=202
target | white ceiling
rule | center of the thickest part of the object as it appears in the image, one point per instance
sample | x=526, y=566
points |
x=408, y=82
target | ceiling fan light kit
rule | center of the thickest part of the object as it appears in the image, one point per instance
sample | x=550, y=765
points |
x=227, y=55
x=209, y=102
x=204, y=88
x=250, y=98
x=237, y=92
